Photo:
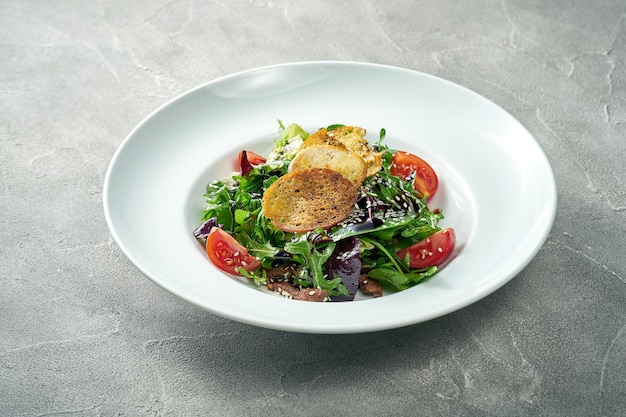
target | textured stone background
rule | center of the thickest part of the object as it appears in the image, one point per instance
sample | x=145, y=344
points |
x=83, y=333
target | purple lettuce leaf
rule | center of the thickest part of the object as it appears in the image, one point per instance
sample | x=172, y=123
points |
x=246, y=166
x=203, y=230
x=345, y=262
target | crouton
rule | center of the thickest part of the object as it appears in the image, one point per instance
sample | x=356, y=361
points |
x=348, y=164
x=353, y=139
x=307, y=199
x=321, y=137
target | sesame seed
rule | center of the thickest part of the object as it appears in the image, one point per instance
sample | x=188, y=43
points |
x=439, y=250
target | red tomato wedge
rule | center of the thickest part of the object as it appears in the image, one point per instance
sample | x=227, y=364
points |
x=426, y=181
x=254, y=158
x=432, y=251
x=228, y=254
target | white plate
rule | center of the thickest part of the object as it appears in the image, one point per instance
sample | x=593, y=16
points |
x=496, y=186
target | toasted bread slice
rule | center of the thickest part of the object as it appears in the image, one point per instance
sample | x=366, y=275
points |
x=353, y=138
x=321, y=137
x=308, y=199
x=348, y=164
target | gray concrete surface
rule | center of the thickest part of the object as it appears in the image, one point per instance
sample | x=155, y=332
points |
x=83, y=333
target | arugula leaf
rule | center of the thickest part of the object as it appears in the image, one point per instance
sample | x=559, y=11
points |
x=313, y=260
x=219, y=196
x=261, y=250
x=333, y=127
x=399, y=280
x=242, y=216
x=259, y=276
x=398, y=264
x=381, y=137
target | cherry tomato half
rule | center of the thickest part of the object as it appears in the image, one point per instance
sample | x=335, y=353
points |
x=426, y=181
x=433, y=250
x=254, y=158
x=228, y=254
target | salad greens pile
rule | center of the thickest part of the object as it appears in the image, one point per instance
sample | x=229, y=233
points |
x=389, y=215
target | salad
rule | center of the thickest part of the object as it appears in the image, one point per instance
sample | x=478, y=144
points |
x=326, y=215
